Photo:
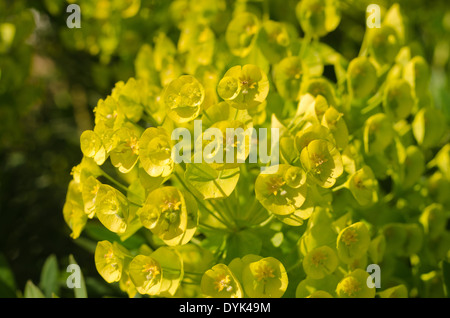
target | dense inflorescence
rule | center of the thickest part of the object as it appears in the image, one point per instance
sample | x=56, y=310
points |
x=362, y=175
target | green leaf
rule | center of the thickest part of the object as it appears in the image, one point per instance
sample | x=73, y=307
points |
x=7, y=282
x=79, y=292
x=32, y=291
x=211, y=184
x=49, y=277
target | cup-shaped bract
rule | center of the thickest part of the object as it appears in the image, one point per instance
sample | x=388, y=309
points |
x=288, y=75
x=126, y=284
x=226, y=144
x=110, y=260
x=399, y=291
x=310, y=286
x=125, y=152
x=428, y=126
x=320, y=262
x=90, y=190
x=112, y=209
x=287, y=150
x=364, y=186
x=244, y=87
x=433, y=220
x=353, y=242
x=334, y=121
x=413, y=166
x=301, y=214
x=164, y=59
x=319, y=86
x=273, y=39
x=146, y=274
x=312, y=108
x=398, y=99
x=107, y=112
x=73, y=209
x=155, y=152
x=417, y=73
x=222, y=111
x=378, y=133
x=384, y=44
x=183, y=98
x=320, y=231
x=105, y=134
x=197, y=42
x=210, y=183
x=241, y=33
x=172, y=267
x=438, y=187
x=361, y=77
x=294, y=176
x=128, y=96
x=170, y=214
x=442, y=160
x=312, y=132
x=92, y=146
x=281, y=189
x=318, y=17
x=265, y=278
x=354, y=285
x=322, y=161
x=220, y=282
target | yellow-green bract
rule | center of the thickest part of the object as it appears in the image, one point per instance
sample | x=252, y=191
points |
x=348, y=166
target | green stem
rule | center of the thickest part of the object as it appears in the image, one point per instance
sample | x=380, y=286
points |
x=219, y=252
x=134, y=203
x=229, y=211
x=236, y=198
x=208, y=227
x=306, y=41
x=200, y=202
x=255, y=215
x=236, y=114
x=226, y=203
x=114, y=181
x=364, y=45
x=339, y=187
x=207, y=116
x=222, y=213
x=249, y=211
x=122, y=187
x=265, y=222
x=292, y=267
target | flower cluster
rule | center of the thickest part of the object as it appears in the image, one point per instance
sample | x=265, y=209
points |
x=361, y=179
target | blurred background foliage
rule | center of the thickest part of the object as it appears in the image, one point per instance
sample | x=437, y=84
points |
x=51, y=77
